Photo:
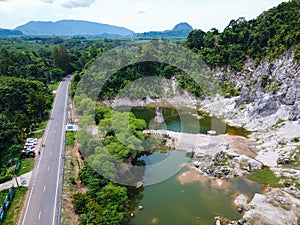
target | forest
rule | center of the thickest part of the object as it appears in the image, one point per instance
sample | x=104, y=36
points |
x=269, y=35
x=30, y=67
x=107, y=199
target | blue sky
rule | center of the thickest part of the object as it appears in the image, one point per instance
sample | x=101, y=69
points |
x=137, y=15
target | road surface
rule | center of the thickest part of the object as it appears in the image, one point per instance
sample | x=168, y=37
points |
x=45, y=189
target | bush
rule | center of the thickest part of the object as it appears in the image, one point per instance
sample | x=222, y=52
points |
x=72, y=180
x=279, y=123
x=5, y=178
x=263, y=80
x=79, y=202
x=295, y=139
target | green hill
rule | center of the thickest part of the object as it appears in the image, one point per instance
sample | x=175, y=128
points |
x=9, y=33
x=180, y=31
x=72, y=28
x=270, y=34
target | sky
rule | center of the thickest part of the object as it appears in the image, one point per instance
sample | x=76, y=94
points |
x=136, y=15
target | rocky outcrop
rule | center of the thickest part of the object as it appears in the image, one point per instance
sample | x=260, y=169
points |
x=269, y=106
x=277, y=207
x=159, y=118
x=271, y=86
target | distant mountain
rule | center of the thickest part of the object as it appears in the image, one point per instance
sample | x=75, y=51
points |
x=180, y=31
x=183, y=26
x=72, y=28
x=8, y=33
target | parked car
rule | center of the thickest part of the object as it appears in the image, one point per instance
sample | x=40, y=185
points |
x=32, y=140
x=29, y=147
x=28, y=154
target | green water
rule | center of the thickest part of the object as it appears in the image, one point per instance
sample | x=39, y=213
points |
x=181, y=119
x=196, y=203
x=169, y=202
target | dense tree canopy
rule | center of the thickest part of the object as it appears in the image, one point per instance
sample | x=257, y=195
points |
x=121, y=139
x=23, y=104
x=271, y=33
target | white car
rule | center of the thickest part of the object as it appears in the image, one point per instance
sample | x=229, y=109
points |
x=32, y=140
x=29, y=148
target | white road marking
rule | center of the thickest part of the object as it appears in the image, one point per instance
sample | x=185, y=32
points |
x=48, y=168
x=44, y=188
x=39, y=215
x=50, y=153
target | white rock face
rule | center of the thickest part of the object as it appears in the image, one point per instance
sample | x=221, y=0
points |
x=277, y=207
x=262, y=105
x=272, y=112
x=259, y=108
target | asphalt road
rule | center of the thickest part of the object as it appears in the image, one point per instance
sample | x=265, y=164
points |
x=45, y=189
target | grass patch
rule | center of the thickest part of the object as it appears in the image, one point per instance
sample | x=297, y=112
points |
x=15, y=208
x=38, y=135
x=41, y=126
x=68, y=189
x=266, y=176
x=70, y=139
x=53, y=86
x=279, y=123
x=27, y=165
x=3, y=194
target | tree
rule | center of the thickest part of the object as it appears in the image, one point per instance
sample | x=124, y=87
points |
x=61, y=58
x=79, y=202
x=195, y=39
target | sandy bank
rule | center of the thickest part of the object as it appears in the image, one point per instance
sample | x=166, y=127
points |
x=206, y=144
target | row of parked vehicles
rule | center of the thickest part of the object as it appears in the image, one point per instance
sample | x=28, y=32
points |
x=29, y=147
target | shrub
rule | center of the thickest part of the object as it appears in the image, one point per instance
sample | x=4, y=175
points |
x=5, y=178
x=72, y=180
x=295, y=139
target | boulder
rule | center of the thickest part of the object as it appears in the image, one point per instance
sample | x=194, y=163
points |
x=283, y=160
x=241, y=200
x=266, y=106
x=295, y=112
x=244, y=98
x=255, y=165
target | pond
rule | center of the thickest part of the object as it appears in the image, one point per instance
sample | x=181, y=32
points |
x=178, y=194
x=192, y=200
x=186, y=120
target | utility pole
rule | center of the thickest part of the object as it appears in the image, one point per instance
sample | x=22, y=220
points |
x=14, y=172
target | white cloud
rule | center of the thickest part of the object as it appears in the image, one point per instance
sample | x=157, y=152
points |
x=140, y=8
x=78, y=3
x=48, y=1
x=137, y=15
